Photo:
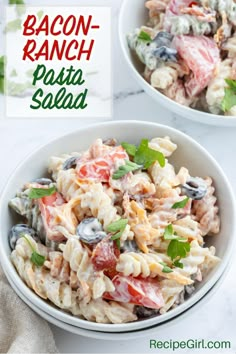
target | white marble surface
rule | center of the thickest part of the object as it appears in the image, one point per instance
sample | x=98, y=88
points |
x=216, y=320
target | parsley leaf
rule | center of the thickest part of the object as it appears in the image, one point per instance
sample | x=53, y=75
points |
x=165, y=268
x=178, y=264
x=169, y=234
x=2, y=73
x=36, y=193
x=231, y=84
x=116, y=236
x=40, y=14
x=229, y=99
x=178, y=246
x=117, y=227
x=178, y=249
x=2, y=65
x=129, y=148
x=2, y=84
x=146, y=156
x=16, y=2
x=124, y=169
x=144, y=36
x=143, y=156
x=180, y=204
x=35, y=258
x=13, y=26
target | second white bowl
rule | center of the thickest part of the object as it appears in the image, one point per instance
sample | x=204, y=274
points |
x=133, y=14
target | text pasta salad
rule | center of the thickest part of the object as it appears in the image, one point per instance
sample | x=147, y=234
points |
x=189, y=52
x=115, y=234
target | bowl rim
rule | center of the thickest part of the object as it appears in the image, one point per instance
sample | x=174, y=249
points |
x=125, y=327
x=210, y=118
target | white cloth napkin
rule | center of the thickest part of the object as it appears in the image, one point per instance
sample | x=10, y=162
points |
x=21, y=330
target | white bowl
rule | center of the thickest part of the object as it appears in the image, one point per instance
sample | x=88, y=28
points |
x=133, y=14
x=189, y=154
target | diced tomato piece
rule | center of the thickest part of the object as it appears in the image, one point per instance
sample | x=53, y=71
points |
x=99, y=169
x=50, y=201
x=144, y=292
x=201, y=54
x=105, y=255
x=95, y=169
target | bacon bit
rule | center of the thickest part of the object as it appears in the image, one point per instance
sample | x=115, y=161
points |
x=105, y=255
x=193, y=3
x=111, y=273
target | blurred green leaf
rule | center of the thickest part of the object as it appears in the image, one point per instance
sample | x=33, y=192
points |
x=13, y=26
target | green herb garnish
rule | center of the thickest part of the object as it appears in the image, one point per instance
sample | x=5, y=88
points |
x=17, y=88
x=231, y=83
x=20, y=10
x=124, y=169
x=180, y=204
x=178, y=246
x=13, y=26
x=40, y=14
x=2, y=66
x=143, y=157
x=36, y=193
x=117, y=227
x=178, y=249
x=229, y=99
x=146, y=156
x=2, y=73
x=165, y=268
x=35, y=258
x=129, y=148
x=178, y=264
x=16, y=2
x=13, y=73
x=169, y=234
x=144, y=36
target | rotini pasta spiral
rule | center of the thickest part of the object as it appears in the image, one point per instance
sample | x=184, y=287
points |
x=223, y=6
x=56, y=163
x=216, y=88
x=196, y=258
x=170, y=290
x=108, y=312
x=80, y=262
x=41, y=281
x=206, y=211
x=148, y=265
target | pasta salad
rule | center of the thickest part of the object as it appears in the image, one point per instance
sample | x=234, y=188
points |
x=189, y=52
x=115, y=234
